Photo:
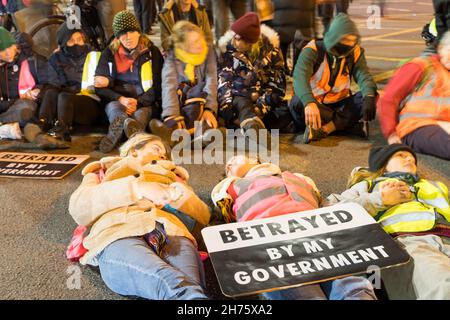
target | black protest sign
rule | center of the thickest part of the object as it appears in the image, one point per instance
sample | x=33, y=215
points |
x=38, y=165
x=296, y=249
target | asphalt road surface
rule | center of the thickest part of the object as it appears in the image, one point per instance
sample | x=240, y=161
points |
x=36, y=226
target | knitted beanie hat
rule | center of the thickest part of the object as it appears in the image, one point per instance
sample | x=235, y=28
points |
x=248, y=27
x=6, y=39
x=124, y=21
x=379, y=156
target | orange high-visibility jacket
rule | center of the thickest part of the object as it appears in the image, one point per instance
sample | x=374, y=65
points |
x=320, y=80
x=429, y=103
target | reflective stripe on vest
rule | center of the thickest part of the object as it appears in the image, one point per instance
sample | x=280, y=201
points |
x=146, y=75
x=418, y=215
x=319, y=81
x=430, y=103
x=87, y=79
x=258, y=197
x=26, y=79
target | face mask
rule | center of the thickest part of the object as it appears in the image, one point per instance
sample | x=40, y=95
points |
x=342, y=49
x=76, y=51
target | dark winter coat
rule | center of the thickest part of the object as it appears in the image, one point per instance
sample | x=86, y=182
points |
x=131, y=88
x=292, y=15
x=239, y=77
x=10, y=72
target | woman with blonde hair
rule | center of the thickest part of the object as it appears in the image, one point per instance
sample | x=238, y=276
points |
x=189, y=82
x=414, y=210
x=144, y=222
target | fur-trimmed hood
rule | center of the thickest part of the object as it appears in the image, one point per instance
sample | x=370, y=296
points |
x=266, y=31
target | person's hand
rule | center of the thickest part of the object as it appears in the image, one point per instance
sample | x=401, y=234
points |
x=209, y=118
x=312, y=116
x=369, y=108
x=394, y=138
x=129, y=103
x=394, y=192
x=101, y=82
x=155, y=192
x=31, y=94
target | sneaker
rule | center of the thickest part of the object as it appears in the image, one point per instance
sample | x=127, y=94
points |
x=112, y=139
x=311, y=134
x=10, y=131
x=131, y=126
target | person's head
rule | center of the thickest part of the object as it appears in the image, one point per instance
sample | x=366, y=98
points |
x=8, y=47
x=145, y=148
x=395, y=157
x=188, y=37
x=247, y=31
x=342, y=36
x=240, y=165
x=444, y=50
x=72, y=41
x=126, y=28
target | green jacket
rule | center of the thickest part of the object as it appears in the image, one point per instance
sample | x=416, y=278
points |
x=307, y=61
x=167, y=20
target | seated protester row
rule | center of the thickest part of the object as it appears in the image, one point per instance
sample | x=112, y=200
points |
x=72, y=99
x=189, y=83
x=254, y=190
x=123, y=201
x=323, y=102
x=128, y=80
x=414, y=210
x=179, y=10
x=415, y=108
x=252, y=83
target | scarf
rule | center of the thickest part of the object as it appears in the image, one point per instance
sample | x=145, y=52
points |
x=191, y=60
x=124, y=59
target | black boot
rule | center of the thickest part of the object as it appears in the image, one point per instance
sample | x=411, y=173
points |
x=60, y=131
x=115, y=133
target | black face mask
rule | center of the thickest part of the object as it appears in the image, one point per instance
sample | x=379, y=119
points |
x=342, y=49
x=76, y=51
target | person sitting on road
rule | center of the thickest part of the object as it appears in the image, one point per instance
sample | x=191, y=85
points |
x=72, y=100
x=179, y=10
x=24, y=74
x=254, y=190
x=144, y=222
x=415, y=107
x=414, y=210
x=252, y=82
x=323, y=101
x=189, y=83
x=128, y=79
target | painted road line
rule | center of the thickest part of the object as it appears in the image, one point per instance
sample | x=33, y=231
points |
x=386, y=58
x=399, y=41
x=391, y=34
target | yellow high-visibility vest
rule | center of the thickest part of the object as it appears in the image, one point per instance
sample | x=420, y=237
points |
x=87, y=79
x=419, y=214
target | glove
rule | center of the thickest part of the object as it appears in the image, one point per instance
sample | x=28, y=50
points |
x=369, y=108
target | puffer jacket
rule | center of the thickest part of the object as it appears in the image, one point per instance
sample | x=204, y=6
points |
x=238, y=76
x=291, y=15
x=112, y=209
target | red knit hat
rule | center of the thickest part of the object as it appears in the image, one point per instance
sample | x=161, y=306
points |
x=248, y=27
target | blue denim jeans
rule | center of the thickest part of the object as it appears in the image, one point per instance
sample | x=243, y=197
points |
x=349, y=288
x=115, y=109
x=130, y=267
